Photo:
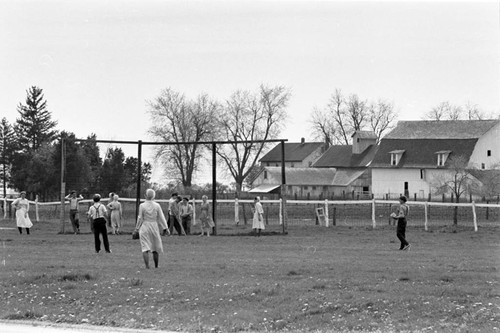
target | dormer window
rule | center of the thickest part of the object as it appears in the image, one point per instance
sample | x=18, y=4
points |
x=396, y=156
x=442, y=156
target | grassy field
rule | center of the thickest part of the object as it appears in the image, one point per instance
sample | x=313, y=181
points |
x=313, y=279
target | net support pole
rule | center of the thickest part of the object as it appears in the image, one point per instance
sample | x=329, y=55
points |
x=139, y=176
x=214, y=189
x=283, y=187
x=474, y=215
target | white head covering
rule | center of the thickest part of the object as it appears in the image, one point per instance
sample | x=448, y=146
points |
x=150, y=194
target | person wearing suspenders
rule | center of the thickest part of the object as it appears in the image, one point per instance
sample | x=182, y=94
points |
x=98, y=214
x=401, y=228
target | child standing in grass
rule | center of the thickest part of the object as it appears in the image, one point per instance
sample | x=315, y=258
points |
x=401, y=228
x=98, y=214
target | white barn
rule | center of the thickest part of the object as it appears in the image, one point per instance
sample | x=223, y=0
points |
x=416, y=152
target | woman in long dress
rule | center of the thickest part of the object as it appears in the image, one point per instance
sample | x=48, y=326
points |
x=22, y=206
x=258, y=217
x=150, y=216
x=206, y=218
x=116, y=214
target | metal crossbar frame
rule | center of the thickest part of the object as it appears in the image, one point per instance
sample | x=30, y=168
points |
x=140, y=143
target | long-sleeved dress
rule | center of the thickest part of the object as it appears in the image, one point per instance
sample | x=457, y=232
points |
x=116, y=214
x=150, y=216
x=258, y=219
x=22, y=207
x=206, y=219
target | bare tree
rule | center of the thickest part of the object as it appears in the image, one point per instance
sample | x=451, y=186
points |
x=457, y=180
x=322, y=127
x=343, y=116
x=177, y=119
x=246, y=117
x=382, y=117
x=448, y=111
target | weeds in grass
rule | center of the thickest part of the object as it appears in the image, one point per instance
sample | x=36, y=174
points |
x=75, y=277
x=23, y=316
x=136, y=282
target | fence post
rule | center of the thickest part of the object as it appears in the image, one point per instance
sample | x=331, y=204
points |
x=193, y=222
x=4, y=208
x=236, y=211
x=334, y=220
x=281, y=211
x=426, y=220
x=37, y=217
x=474, y=215
x=373, y=214
x=327, y=223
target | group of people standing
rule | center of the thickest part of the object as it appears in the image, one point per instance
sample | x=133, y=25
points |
x=180, y=215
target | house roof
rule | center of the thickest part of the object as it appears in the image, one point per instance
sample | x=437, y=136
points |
x=487, y=176
x=306, y=176
x=342, y=157
x=347, y=176
x=421, y=153
x=444, y=129
x=294, y=151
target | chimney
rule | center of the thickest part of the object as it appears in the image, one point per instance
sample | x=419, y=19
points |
x=362, y=140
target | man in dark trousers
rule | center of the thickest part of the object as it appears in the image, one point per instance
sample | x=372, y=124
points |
x=98, y=213
x=173, y=215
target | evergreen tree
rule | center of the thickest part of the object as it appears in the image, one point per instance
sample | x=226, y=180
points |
x=35, y=126
x=94, y=160
x=112, y=173
x=7, y=149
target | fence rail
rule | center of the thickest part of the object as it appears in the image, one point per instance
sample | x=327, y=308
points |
x=355, y=213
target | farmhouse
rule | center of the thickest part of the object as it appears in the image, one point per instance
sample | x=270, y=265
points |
x=297, y=154
x=301, y=182
x=416, y=153
x=340, y=172
x=353, y=177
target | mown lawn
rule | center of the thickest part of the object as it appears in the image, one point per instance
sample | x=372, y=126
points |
x=312, y=279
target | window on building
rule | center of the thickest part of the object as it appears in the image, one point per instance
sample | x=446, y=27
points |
x=396, y=156
x=265, y=174
x=306, y=188
x=314, y=188
x=292, y=165
x=488, y=153
x=442, y=156
x=422, y=174
x=483, y=166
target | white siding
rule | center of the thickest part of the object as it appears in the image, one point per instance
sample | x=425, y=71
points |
x=392, y=181
x=489, y=141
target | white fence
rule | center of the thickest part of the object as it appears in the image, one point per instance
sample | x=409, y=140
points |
x=372, y=213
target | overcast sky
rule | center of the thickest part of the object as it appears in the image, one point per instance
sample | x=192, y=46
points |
x=98, y=62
